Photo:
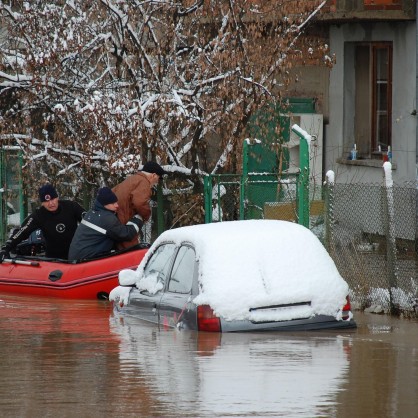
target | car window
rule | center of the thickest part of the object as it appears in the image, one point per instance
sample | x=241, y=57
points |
x=159, y=263
x=183, y=271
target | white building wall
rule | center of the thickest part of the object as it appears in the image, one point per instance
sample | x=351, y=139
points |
x=340, y=130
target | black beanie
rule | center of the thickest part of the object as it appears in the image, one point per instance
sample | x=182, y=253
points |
x=154, y=168
x=47, y=192
x=105, y=196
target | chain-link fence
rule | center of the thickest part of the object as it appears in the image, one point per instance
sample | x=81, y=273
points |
x=370, y=230
x=262, y=196
x=373, y=241
x=255, y=196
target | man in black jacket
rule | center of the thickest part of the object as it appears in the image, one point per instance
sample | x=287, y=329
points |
x=58, y=220
x=101, y=229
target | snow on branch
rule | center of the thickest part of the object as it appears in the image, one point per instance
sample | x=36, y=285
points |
x=117, y=83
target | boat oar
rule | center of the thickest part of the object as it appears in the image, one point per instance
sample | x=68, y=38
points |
x=24, y=262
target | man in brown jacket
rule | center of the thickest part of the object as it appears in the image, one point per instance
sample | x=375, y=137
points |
x=134, y=194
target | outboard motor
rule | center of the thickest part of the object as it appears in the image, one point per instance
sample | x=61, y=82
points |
x=34, y=245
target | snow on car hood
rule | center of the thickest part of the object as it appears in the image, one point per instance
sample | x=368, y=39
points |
x=253, y=263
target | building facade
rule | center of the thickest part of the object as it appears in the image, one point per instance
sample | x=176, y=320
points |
x=372, y=90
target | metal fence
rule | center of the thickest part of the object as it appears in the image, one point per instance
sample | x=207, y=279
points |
x=369, y=230
x=263, y=196
x=255, y=196
x=373, y=241
x=13, y=206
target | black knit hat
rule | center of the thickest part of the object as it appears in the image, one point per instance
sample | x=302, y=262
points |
x=154, y=168
x=47, y=192
x=105, y=196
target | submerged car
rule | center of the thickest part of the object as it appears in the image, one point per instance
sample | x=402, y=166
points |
x=253, y=275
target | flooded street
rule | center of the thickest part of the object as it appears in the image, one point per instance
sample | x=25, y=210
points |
x=76, y=359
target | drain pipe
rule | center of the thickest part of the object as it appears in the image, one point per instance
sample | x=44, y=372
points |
x=414, y=112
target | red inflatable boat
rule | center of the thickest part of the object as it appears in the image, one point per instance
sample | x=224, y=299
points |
x=92, y=279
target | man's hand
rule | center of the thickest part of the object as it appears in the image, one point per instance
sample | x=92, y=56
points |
x=4, y=253
x=138, y=222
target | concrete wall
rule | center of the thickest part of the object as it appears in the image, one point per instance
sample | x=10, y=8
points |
x=340, y=131
x=313, y=82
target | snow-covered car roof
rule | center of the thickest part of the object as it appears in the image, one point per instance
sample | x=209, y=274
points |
x=259, y=263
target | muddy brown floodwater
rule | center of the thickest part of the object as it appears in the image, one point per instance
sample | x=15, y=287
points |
x=76, y=359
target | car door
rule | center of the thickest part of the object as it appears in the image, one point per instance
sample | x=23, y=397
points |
x=176, y=308
x=144, y=301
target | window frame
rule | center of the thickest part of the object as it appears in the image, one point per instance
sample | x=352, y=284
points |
x=382, y=4
x=366, y=98
x=175, y=262
x=374, y=120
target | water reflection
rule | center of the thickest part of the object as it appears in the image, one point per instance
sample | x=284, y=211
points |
x=76, y=359
x=274, y=375
x=52, y=357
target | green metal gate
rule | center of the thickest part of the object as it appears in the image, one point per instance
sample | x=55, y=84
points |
x=13, y=204
x=260, y=194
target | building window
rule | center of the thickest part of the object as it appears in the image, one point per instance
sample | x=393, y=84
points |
x=382, y=4
x=373, y=98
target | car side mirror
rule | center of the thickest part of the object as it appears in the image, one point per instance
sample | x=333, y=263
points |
x=127, y=277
